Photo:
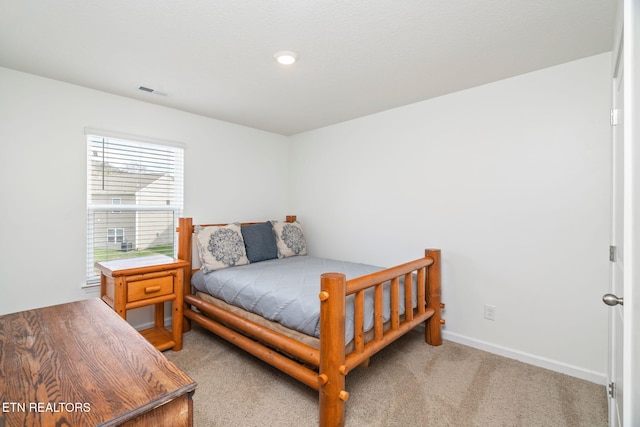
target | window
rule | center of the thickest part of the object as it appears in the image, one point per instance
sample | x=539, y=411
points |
x=116, y=201
x=144, y=179
x=115, y=235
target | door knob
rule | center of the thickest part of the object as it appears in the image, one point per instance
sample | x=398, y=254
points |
x=611, y=299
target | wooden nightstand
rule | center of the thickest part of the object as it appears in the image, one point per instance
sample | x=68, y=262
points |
x=130, y=283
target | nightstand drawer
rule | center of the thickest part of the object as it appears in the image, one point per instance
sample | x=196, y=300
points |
x=149, y=288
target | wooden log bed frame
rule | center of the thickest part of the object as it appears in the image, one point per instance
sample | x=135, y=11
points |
x=325, y=369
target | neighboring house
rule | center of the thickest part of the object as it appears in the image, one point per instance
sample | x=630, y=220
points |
x=161, y=231
x=129, y=189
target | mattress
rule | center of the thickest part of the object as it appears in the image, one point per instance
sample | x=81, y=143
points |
x=286, y=290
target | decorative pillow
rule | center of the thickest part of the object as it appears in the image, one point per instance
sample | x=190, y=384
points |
x=289, y=238
x=260, y=242
x=220, y=247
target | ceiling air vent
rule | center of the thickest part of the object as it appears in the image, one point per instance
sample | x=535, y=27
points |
x=155, y=92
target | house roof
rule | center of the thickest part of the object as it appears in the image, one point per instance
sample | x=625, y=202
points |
x=114, y=181
x=356, y=58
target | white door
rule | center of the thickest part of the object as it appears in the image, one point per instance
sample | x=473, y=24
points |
x=624, y=360
x=617, y=253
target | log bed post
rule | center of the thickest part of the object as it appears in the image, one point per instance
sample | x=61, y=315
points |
x=433, y=329
x=332, y=370
x=185, y=231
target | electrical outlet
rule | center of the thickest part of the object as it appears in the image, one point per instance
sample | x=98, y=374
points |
x=490, y=312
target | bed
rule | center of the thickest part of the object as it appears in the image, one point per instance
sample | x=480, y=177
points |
x=355, y=309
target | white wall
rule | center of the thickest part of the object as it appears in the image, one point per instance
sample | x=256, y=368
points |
x=511, y=180
x=230, y=172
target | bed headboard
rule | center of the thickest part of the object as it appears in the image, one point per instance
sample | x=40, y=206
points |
x=185, y=231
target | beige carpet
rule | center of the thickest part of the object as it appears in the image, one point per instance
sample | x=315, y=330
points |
x=408, y=383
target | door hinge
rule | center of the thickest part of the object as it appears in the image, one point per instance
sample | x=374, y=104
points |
x=614, y=117
x=611, y=389
x=613, y=252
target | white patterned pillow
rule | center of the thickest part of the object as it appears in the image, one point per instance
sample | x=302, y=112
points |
x=289, y=238
x=220, y=246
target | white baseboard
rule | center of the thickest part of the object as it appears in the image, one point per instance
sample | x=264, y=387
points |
x=553, y=365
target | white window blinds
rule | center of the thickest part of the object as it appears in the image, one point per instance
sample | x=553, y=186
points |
x=134, y=199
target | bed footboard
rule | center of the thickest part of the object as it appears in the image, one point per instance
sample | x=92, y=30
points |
x=335, y=364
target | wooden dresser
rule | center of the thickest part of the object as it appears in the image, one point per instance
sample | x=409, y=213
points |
x=80, y=364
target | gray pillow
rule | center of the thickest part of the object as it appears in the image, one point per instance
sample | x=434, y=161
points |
x=259, y=241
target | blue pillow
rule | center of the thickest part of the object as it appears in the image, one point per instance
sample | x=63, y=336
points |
x=260, y=242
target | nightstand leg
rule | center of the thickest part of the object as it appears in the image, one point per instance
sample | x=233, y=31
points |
x=120, y=297
x=159, y=315
x=177, y=314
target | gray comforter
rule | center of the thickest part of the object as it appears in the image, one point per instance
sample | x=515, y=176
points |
x=286, y=290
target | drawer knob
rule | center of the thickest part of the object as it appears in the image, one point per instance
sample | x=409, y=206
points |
x=151, y=289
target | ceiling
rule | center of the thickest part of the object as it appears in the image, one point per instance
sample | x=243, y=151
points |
x=215, y=58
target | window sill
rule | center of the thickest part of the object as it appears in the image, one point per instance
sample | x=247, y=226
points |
x=91, y=284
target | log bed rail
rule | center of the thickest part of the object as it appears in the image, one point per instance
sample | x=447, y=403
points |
x=325, y=369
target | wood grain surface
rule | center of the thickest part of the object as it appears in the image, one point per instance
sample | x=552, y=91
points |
x=80, y=364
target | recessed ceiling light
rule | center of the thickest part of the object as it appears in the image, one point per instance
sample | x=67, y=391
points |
x=286, y=57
